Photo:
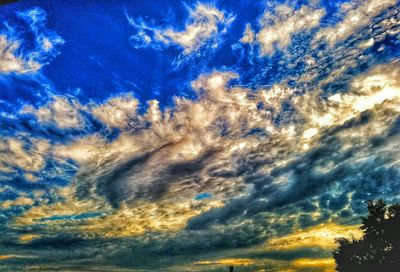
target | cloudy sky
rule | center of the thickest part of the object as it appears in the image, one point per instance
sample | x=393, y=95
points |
x=194, y=135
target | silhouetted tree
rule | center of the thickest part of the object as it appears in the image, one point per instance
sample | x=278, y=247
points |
x=379, y=248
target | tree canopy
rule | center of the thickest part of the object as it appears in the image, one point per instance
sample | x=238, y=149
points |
x=379, y=248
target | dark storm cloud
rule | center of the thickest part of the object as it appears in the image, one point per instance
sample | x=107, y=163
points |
x=151, y=251
x=120, y=185
x=307, y=252
x=110, y=183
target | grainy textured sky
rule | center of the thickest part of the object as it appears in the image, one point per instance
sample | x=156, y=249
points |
x=194, y=135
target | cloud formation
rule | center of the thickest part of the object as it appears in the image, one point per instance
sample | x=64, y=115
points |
x=16, y=56
x=62, y=112
x=229, y=143
x=357, y=14
x=223, y=152
x=264, y=175
x=331, y=158
x=203, y=26
x=277, y=28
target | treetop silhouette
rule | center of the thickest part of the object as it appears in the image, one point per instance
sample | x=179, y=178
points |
x=379, y=248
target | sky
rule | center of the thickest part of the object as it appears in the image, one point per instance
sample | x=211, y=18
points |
x=194, y=135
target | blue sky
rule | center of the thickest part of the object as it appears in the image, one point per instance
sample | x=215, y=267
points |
x=198, y=134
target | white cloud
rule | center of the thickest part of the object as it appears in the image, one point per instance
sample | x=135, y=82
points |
x=117, y=112
x=9, y=62
x=66, y=113
x=367, y=91
x=61, y=111
x=28, y=157
x=278, y=28
x=205, y=24
x=248, y=35
x=190, y=134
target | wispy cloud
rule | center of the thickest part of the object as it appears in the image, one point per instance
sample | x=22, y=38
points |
x=204, y=25
x=18, y=57
x=278, y=27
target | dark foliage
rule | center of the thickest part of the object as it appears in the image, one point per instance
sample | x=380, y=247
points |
x=379, y=248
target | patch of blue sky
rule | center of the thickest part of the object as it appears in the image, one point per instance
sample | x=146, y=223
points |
x=22, y=89
x=8, y=214
x=20, y=184
x=203, y=196
x=8, y=194
x=53, y=175
x=333, y=11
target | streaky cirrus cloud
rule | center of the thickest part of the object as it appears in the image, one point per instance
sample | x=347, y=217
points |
x=204, y=26
x=16, y=55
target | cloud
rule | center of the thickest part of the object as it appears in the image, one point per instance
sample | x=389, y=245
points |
x=205, y=22
x=323, y=235
x=129, y=175
x=278, y=28
x=193, y=136
x=226, y=143
x=287, y=166
x=310, y=62
x=358, y=14
x=18, y=154
x=20, y=201
x=231, y=143
x=66, y=113
x=9, y=62
x=248, y=35
x=204, y=25
x=368, y=90
x=62, y=112
x=331, y=158
x=117, y=112
x=16, y=56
